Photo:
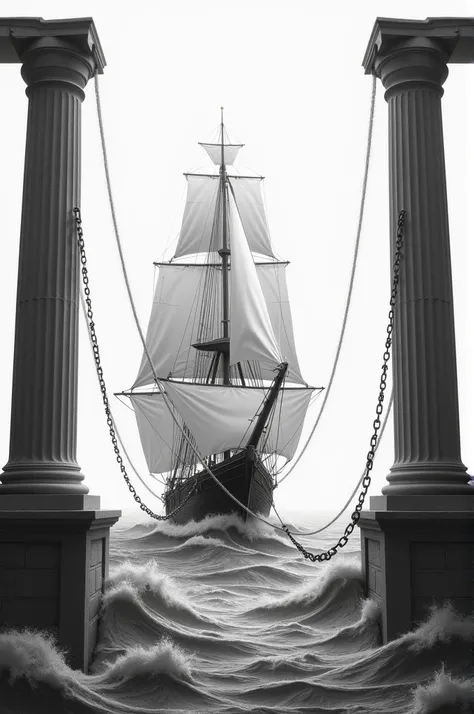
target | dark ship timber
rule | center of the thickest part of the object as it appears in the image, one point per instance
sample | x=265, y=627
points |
x=225, y=400
x=244, y=475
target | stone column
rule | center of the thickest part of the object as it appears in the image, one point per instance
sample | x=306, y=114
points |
x=426, y=417
x=416, y=539
x=44, y=396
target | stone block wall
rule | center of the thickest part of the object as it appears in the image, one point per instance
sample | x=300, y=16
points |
x=29, y=586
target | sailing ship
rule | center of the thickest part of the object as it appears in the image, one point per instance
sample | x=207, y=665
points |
x=219, y=398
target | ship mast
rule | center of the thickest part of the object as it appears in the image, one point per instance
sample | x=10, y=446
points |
x=224, y=253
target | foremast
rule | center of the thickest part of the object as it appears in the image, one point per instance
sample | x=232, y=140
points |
x=224, y=253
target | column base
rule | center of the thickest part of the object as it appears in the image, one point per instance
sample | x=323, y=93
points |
x=414, y=559
x=48, y=502
x=53, y=565
x=416, y=502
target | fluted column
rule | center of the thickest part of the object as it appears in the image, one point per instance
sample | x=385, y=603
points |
x=427, y=443
x=44, y=394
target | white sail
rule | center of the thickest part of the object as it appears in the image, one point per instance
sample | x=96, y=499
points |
x=215, y=153
x=200, y=231
x=221, y=418
x=248, y=197
x=272, y=278
x=175, y=321
x=251, y=332
x=157, y=431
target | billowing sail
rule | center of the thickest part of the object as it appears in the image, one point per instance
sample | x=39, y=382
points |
x=177, y=322
x=157, y=431
x=251, y=331
x=248, y=197
x=200, y=230
x=273, y=282
x=215, y=153
x=220, y=418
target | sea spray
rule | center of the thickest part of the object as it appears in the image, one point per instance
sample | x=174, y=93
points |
x=444, y=691
x=442, y=625
x=35, y=657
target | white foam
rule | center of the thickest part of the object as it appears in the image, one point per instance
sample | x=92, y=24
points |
x=140, y=579
x=34, y=656
x=122, y=591
x=252, y=530
x=444, y=690
x=442, y=625
x=370, y=611
x=164, y=658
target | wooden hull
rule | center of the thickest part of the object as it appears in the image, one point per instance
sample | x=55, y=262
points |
x=243, y=475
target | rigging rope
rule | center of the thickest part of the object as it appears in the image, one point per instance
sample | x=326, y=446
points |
x=343, y=540
x=347, y=503
x=351, y=281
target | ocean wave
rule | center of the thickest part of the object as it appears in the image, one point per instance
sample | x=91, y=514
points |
x=251, y=530
x=443, y=693
x=147, y=578
x=260, y=574
x=163, y=658
x=328, y=600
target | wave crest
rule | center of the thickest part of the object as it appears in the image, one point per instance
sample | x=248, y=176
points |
x=444, y=691
x=443, y=624
x=131, y=579
x=163, y=658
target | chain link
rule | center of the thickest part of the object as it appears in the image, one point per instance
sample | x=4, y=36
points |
x=366, y=481
x=100, y=375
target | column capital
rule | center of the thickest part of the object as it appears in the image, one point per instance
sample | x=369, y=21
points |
x=416, y=63
x=454, y=36
x=53, y=62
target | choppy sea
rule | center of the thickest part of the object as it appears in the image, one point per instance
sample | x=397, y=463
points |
x=227, y=617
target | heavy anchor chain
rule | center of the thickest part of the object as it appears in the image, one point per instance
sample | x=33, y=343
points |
x=366, y=481
x=100, y=375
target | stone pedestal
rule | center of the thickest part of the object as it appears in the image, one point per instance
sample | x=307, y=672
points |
x=53, y=565
x=412, y=560
x=53, y=537
x=417, y=539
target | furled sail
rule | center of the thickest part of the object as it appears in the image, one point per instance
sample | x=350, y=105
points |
x=248, y=197
x=251, y=331
x=219, y=418
x=176, y=321
x=215, y=153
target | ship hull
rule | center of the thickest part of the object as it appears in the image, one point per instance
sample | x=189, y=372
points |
x=244, y=475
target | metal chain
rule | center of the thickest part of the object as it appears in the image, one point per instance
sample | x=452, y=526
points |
x=100, y=375
x=366, y=481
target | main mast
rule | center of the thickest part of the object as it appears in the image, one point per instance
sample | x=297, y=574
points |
x=224, y=253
